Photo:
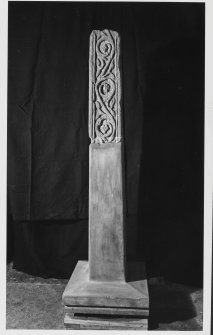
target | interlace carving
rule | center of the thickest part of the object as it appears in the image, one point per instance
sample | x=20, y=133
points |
x=104, y=87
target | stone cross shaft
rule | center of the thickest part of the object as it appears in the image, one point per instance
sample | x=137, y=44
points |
x=104, y=87
x=106, y=284
x=106, y=238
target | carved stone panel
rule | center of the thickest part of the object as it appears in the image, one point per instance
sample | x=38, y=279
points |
x=104, y=87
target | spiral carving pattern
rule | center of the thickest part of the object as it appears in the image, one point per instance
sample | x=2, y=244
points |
x=104, y=114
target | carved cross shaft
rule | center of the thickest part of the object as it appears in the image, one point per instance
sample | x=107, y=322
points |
x=104, y=87
x=106, y=236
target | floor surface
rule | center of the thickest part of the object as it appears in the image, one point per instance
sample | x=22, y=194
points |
x=35, y=303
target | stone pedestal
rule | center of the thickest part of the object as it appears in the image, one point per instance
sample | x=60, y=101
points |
x=106, y=292
x=107, y=305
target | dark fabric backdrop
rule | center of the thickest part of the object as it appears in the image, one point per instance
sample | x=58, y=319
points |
x=163, y=110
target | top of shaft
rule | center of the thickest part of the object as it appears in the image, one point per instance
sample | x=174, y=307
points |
x=104, y=87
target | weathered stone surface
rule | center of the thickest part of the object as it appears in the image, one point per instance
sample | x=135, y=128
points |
x=103, y=282
x=119, y=311
x=88, y=322
x=104, y=87
x=106, y=236
x=81, y=291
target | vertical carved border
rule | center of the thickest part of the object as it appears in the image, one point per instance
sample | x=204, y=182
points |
x=104, y=87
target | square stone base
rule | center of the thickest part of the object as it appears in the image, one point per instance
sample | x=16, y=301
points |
x=107, y=305
x=102, y=321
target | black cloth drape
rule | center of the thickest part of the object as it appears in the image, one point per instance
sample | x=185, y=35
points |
x=162, y=49
x=48, y=106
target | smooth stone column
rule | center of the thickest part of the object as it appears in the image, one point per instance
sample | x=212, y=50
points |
x=106, y=229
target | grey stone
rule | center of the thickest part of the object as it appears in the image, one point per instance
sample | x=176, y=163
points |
x=71, y=310
x=104, y=283
x=104, y=87
x=106, y=229
x=81, y=291
x=119, y=323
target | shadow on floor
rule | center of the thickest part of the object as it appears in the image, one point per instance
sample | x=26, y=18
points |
x=175, y=307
